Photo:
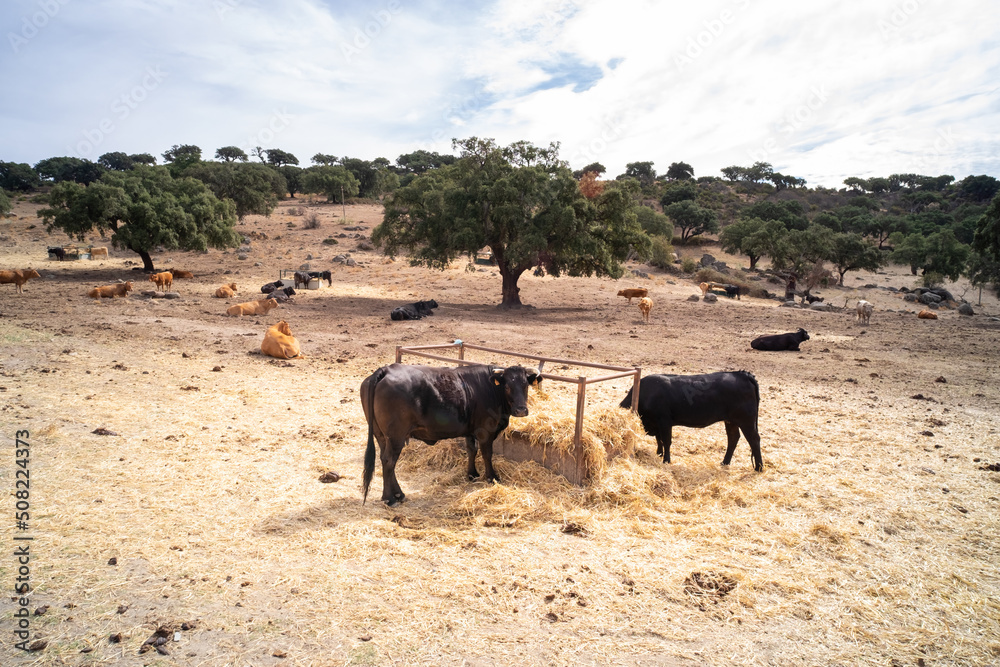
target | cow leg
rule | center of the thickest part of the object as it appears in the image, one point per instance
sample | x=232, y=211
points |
x=391, y=449
x=753, y=437
x=733, y=433
x=489, y=474
x=663, y=442
x=470, y=447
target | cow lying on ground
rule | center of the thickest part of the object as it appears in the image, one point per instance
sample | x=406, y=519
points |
x=177, y=273
x=18, y=277
x=865, y=310
x=280, y=343
x=226, y=291
x=260, y=307
x=267, y=288
x=413, y=311
x=323, y=275
x=778, y=342
x=927, y=314
x=110, y=291
x=98, y=252
x=163, y=280
x=431, y=404
x=282, y=294
x=812, y=299
x=645, y=305
x=697, y=401
x=633, y=293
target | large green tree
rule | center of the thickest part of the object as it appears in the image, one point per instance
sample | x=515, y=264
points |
x=523, y=203
x=143, y=208
x=691, y=219
x=851, y=252
x=18, y=176
x=182, y=156
x=335, y=182
x=752, y=237
x=61, y=169
x=116, y=161
x=231, y=154
x=679, y=171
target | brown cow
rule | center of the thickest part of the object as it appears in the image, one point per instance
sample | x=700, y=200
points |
x=18, y=277
x=260, y=307
x=226, y=291
x=633, y=292
x=279, y=342
x=98, y=252
x=927, y=314
x=164, y=280
x=110, y=291
x=177, y=273
x=645, y=305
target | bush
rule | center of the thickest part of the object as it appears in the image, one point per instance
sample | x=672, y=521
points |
x=330, y=241
x=296, y=211
x=311, y=221
x=932, y=279
x=688, y=265
x=663, y=253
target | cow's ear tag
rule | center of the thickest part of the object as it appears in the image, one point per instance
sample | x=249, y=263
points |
x=496, y=381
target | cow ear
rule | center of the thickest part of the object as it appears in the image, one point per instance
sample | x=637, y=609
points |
x=534, y=379
x=497, y=376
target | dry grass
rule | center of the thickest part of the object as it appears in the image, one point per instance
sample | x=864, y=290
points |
x=863, y=541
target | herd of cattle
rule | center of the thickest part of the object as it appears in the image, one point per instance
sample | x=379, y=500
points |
x=477, y=402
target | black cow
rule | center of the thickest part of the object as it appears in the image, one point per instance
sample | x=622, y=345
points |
x=323, y=275
x=282, y=294
x=270, y=287
x=59, y=252
x=697, y=401
x=431, y=404
x=733, y=290
x=779, y=342
x=413, y=311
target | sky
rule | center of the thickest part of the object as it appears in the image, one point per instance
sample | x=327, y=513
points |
x=822, y=90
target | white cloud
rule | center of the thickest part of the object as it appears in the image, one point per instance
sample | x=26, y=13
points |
x=712, y=84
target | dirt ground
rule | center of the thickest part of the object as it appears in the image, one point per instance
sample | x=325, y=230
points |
x=872, y=536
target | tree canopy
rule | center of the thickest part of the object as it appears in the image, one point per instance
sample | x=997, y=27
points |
x=59, y=169
x=523, y=203
x=231, y=154
x=335, y=182
x=680, y=171
x=987, y=238
x=143, y=208
x=253, y=188
x=18, y=176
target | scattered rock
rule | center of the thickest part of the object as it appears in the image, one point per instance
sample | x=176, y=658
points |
x=122, y=608
x=112, y=561
x=966, y=309
x=241, y=256
x=709, y=584
x=929, y=434
x=940, y=378
x=710, y=298
x=172, y=295
x=822, y=307
x=912, y=298
x=103, y=431
x=788, y=304
x=41, y=610
x=217, y=369
x=38, y=645
x=365, y=245
x=707, y=260
x=990, y=467
x=929, y=298
x=694, y=297
x=304, y=267
x=350, y=262
x=573, y=528
x=115, y=638
x=329, y=477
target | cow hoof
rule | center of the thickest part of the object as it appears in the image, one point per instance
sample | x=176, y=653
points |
x=395, y=500
x=473, y=477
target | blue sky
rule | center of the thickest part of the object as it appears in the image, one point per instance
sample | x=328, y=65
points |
x=822, y=90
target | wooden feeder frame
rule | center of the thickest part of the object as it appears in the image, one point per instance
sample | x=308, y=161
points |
x=581, y=382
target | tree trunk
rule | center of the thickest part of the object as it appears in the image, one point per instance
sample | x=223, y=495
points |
x=147, y=261
x=511, y=292
x=753, y=261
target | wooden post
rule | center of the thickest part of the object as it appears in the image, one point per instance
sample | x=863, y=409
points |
x=461, y=350
x=399, y=353
x=581, y=400
x=635, y=389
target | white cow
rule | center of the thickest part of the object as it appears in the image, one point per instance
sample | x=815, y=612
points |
x=864, y=311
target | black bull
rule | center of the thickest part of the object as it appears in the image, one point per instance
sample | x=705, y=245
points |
x=697, y=401
x=431, y=404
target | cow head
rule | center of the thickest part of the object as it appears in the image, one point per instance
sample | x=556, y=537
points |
x=282, y=326
x=128, y=286
x=514, y=382
x=269, y=304
x=802, y=334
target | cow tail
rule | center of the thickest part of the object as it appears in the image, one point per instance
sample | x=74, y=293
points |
x=756, y=388
x=366, y=479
